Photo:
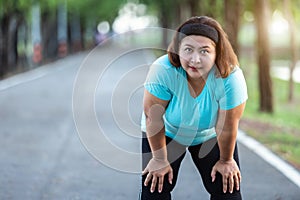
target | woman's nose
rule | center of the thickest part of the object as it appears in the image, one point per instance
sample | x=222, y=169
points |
x=195, y=59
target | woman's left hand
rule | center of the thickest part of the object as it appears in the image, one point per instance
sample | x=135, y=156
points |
x=230, y=172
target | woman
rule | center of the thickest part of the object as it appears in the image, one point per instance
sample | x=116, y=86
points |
x=194, y=98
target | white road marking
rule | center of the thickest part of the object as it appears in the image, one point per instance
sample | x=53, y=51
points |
x=286, y=169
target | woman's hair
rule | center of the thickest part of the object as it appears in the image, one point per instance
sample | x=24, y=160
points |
x=226, y=59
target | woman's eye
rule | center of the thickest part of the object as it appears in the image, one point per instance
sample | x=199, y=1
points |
x=188, y=49
x=203, y=51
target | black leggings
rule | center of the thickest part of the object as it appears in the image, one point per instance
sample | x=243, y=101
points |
x=204, y=157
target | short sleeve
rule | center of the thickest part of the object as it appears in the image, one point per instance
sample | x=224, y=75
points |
x=158, y=79
x=234, y=90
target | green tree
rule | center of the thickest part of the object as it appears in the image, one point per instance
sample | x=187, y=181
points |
x=168, y=13
x=49, y=29
x=232, y=10
x=228, y=12
x=12, y=16
x=15, y=14
x=263, y=55
x=290, y=17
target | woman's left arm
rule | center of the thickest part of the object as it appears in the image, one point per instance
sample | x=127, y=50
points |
x=227, y=128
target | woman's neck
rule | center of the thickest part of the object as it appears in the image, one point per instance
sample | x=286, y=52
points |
x=196, y=85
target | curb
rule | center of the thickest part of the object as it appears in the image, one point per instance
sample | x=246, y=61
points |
x=283, y=167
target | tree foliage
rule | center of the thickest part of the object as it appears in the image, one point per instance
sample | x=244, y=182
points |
x=16, y=14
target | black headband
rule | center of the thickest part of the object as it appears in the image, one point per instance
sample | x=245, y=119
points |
x=199, y=29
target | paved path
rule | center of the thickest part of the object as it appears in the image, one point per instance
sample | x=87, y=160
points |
x=42, y=156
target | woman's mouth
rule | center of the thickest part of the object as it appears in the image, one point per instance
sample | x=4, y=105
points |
x=193, y=68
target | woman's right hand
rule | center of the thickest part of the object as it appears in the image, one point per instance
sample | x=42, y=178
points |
x=157, y=169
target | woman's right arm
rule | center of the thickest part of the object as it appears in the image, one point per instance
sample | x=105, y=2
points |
x=158, y=166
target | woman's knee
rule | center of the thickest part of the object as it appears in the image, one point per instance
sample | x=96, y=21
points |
x=164, y=195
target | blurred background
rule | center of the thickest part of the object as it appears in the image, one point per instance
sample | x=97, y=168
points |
x=264, y=34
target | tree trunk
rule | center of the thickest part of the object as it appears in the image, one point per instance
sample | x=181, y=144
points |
x=165, y=24
x=194, y=7
x=23, y=41
x=3, y=45
x=165, y=37
x=82, y=30
x=36, y=34
x=232, y=22
x=62, y=32
x=263, y=56
x=74, y=33
x=293, y=46
x=8, y=43
x=49, y=35
x=12, y=49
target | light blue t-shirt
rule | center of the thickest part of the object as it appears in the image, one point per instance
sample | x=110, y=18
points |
x=188, y=120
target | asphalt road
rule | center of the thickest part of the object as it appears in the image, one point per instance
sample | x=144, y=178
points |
x=50, y=149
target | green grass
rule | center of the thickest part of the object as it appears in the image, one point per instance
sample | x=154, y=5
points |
x=285, y=113
x=287, y=145
x=280, y=131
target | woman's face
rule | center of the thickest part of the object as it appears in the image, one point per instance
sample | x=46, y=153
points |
x=197, y=55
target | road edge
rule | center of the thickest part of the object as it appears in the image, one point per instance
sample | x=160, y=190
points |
x=259, y=149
